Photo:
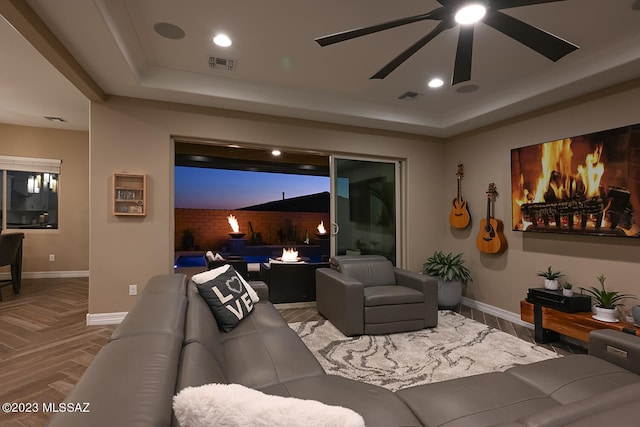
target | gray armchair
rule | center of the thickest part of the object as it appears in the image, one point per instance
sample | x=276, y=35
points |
x=366, y=294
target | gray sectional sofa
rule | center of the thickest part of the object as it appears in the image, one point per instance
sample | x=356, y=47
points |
x=170, y=340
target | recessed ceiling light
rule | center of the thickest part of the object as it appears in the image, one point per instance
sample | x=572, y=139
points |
x=222, y=40
x=470, y=13
x=276, y=152
x=434, y=83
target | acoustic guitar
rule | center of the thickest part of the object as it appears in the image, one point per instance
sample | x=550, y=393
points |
x=491, y=239
x=459, y=216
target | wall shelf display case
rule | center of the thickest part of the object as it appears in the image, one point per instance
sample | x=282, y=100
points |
x=129, y=194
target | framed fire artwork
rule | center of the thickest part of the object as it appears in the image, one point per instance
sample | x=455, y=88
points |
x=587, y=184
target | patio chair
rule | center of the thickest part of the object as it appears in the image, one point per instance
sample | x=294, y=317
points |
x=237, y=262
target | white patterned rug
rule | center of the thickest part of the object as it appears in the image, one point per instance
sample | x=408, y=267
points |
x=457, y=347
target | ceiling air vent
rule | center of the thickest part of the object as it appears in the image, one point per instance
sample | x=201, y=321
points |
x=217, y=63
x=56, y=119
x=409, y=95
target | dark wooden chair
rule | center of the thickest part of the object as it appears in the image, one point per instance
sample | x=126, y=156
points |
x=11, y=254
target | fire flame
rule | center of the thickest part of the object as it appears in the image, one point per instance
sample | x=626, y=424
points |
x=592, y=172
x=289, y=255
x=233, y=222
x=321, y=228
x=556, y=170
x=558, y=181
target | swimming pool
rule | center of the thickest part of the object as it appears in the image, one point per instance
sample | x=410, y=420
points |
x=200, y=260
x=190, y=261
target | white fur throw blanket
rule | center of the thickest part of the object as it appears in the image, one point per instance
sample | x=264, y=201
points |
x=234, y=405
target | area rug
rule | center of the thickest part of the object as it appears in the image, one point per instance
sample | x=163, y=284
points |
x=457, y=347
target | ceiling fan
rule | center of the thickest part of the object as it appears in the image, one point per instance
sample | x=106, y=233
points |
x=545, y=43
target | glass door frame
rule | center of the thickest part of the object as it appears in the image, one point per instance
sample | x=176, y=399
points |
x=399, y=201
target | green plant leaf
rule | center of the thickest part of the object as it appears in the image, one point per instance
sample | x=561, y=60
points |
x=447, y=267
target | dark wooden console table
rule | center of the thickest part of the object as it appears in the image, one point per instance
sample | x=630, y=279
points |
x=551, y=322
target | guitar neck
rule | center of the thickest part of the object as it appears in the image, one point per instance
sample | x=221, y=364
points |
x=488, y=223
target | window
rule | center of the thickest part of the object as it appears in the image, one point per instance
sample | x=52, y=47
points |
x=29, y=193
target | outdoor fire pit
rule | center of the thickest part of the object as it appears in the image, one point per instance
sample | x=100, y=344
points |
x=233, y=222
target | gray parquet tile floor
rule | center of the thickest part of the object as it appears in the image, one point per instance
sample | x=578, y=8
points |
x=45, y=345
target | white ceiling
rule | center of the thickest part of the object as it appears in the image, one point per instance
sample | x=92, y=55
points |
x=31, y=88
x=281, y=70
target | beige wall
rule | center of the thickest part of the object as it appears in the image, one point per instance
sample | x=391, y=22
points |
x=70, y=243
x=502, y=280
x=135, y=136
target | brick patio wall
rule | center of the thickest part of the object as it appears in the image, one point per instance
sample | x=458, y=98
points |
x=211, y=228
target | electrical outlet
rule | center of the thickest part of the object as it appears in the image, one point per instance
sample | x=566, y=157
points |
x=133, y=290
x=52, y=257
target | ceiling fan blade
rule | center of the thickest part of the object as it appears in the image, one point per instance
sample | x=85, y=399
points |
x=462, y=67
x=508, y=4
x=545, y=43
x=437, y=14
x=450, y=3
x=398, y=60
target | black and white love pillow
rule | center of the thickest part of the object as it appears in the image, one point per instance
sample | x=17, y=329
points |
x=226, y=295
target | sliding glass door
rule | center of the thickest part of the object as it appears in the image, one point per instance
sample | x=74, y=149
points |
x=365, y=207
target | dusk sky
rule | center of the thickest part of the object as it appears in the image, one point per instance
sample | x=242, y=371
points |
x=202, y=188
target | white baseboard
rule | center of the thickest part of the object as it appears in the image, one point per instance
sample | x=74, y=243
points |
x=105, y=318
x=47, y=274
x=495, y=311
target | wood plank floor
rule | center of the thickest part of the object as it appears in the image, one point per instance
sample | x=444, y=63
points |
x=45, y=345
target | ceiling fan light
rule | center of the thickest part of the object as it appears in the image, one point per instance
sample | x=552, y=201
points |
x=470, y=13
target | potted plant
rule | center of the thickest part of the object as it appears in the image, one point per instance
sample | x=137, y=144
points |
x=550, y=278
x=451, y=274
x=606, y=301
x=567, y=289
x=188, y=239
